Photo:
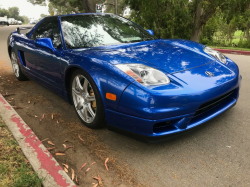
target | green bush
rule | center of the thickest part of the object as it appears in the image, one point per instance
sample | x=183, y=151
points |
x=244, y=44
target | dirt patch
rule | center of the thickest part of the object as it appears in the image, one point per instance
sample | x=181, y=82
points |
x=37, y=106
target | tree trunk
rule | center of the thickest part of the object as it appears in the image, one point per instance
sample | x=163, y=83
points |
x=196, y=33
x=200, y=19
x=247, y=32
x=88, y=6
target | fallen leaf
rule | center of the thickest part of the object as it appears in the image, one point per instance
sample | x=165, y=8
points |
x=57, y=121
x=64, y=146
x=42, y=117
x=174, y=175
x=68, y=148
x=99, y=180
x=92, y=163
x=29, y=102
x=77, y=181
x=65, y=165
x=50, y=148
x=66, y=141
x=49, y=142
x=44, y=139
x=73, y=174
x=17, y=107
x=35, y=116
x=6, y=95
x=82, y=166
x=87, y=170
x=52, y=116
x=105, y=163
x=80, y=137
x=60, y=154
x=66, y=170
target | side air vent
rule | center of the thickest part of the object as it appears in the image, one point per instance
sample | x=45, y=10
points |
x=22, y=59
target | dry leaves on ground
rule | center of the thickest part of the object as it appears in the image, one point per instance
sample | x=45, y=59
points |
x=73, y=174
x=105, y=163
x=83, y=166
x=66, y=166
x=42, y=117
x=99, y=179
x=49, y=142
x=60, y=154
x=80, y=137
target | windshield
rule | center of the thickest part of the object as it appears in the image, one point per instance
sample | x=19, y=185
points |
x=81, y=31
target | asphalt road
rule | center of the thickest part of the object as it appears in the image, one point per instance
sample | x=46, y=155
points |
x=217, y=154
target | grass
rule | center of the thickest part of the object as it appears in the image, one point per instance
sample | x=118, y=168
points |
x=14, y=170
x=232, y=48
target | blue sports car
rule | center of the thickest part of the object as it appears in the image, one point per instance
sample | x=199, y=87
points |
x=116, y=73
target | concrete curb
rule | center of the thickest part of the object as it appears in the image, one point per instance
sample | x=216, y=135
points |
x=39, y=157
x=236, y=52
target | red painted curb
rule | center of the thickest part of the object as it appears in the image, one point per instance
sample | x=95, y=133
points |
x=237, y=52
x=39, y=157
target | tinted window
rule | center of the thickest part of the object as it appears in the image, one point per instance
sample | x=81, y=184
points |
x=49, y=28
x=81, y=31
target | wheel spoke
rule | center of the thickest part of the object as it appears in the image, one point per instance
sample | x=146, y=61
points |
x=85, y=113
x=90, y=111
x=85, y=85
x=76, y=92
x=78, y=84
x=79, y=106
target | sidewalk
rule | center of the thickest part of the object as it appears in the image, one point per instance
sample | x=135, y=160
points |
x=39, y=157
x=229, y=51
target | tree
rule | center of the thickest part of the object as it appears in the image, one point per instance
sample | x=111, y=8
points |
x=13, y=12
x=4, y=12
x=168, y=18
x=182, y=18
x=203, y=10
x=76, y=6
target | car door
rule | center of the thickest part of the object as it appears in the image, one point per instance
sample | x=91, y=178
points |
x=42, y=62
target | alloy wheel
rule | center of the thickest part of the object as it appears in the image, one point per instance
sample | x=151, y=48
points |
x=84, y=98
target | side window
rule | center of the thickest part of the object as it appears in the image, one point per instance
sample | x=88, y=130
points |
x=49, y=28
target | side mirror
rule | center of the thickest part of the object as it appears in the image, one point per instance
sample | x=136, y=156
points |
x=150, y=32
x=45, y=43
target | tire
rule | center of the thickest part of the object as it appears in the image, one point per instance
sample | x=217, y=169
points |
x=16, y=68
x=86, y=100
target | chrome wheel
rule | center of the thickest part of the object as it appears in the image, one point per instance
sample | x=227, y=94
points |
x=84, y=98
x=14, y=63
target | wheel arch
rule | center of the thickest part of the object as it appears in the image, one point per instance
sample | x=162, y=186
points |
x=9, y=50
x=68, y=74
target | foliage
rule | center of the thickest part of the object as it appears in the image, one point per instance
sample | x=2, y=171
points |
x=169, y=19
x=182, y=18
x=13, y=12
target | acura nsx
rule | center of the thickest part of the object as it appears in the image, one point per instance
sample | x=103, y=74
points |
x=116, y=73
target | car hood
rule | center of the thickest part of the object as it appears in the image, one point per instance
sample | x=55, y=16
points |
x=167, y=55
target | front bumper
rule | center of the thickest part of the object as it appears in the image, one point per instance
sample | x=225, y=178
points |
x=178, y=107
x=145, y=130
x=153, y=130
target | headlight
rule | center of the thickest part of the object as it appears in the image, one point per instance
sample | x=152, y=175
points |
x=215, y=54
x=144, y=74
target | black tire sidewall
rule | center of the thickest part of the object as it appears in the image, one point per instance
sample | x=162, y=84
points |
x=99, y=120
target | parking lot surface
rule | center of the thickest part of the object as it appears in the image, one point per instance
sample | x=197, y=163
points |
x=216, y=154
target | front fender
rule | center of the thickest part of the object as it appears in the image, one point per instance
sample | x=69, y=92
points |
x=107, y=77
